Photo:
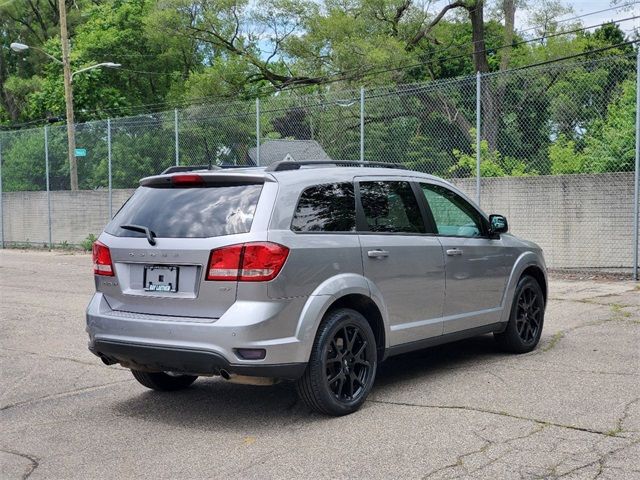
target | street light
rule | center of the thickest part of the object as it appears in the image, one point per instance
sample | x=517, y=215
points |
x=97, y=65
x=68, y=94
x=21, y=47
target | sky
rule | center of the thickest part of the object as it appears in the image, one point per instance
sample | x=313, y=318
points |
x=581, y=7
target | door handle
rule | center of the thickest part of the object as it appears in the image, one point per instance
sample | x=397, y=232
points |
x=453, y=252
x=377, y=254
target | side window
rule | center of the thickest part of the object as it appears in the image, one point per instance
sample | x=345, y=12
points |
x=391, y=207
x=454, y=216
x=326, y=208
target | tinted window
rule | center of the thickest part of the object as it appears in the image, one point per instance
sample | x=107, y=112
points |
x=326, y=208
x=391, y=207
x=452, y=214
x=188, y=212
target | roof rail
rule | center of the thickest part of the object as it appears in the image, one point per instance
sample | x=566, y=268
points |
x=285, y=165
x=189, y=168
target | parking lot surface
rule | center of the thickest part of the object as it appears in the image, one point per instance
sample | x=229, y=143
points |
x=570, y=409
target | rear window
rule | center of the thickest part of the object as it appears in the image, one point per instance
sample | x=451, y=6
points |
x=210, y=211
x=326, y=208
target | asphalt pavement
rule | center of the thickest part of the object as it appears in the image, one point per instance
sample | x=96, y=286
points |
x=570, y=409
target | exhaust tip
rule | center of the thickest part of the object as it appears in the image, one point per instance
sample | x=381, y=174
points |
x=224, y=374
x=106, y=360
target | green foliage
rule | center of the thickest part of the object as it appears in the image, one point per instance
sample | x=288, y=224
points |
x=23, y=166
x=610, y=145
x=64, y=245
x=564, y=158
x=492, y=163
x=545, y=121
x=87, y=243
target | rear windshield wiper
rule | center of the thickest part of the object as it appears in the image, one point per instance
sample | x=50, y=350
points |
x=142, y=229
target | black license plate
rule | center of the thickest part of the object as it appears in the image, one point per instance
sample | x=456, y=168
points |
x=160, y=278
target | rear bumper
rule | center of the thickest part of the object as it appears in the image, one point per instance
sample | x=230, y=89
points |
x=155, y=358
x=182, y=344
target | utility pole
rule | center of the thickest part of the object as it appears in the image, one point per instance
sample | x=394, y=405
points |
x=68, y=95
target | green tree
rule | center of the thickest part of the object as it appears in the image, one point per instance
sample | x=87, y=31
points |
x=610, y=144
x=492, y=164
x=564, y=158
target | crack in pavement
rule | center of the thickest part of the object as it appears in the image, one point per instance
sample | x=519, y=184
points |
x=600, y=461
x=487, y=443
x=57, y=357
x=560, y=334
x=459, y=460
x=494, y=412
x=563, y=368
x=625, y=414
x=56, y=396
x=34, y=462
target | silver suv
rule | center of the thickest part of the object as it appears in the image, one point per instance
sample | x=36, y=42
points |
x=308, y=272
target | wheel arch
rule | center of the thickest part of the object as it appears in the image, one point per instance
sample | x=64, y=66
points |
x=536, y=272
x=369, y=310
x=344, y=291
x=528, y=263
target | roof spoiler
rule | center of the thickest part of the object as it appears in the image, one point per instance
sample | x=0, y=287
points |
x=285, y=165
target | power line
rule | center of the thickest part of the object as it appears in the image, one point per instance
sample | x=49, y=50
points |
x=323, y=78
x=583, y=15
x=326, y=79
x=150, y=72
x=439, y=84
x=569, y=57
x=368, y=72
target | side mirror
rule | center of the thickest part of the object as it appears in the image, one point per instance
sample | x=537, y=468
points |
x=498, y=224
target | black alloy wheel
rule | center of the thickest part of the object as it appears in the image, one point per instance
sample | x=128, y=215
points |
x=526, y=320
x=529, y=314
x=342, y=365
x=346, y=365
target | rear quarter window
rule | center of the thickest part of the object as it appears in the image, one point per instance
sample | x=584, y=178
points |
x=326, y=208
x=210, y=211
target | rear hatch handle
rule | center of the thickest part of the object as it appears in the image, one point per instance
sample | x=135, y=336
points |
x=142, y=229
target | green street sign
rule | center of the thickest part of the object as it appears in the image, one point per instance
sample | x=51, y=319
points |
x=81, y=152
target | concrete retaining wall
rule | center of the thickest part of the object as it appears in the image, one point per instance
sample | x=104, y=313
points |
x=581, y=221
x=74, y=215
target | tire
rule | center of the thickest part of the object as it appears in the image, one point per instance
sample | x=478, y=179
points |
x=162, y=381
x=526, y=319
x=342, y=366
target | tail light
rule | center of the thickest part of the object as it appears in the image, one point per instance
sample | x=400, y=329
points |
x=224, y=263
x=102, y=260
x=247, y=262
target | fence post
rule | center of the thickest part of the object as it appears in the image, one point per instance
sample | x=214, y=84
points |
x=176, y=135
x=362, y=124
x=257, y=131
x=1, y=205
x=109, y=168
x=478, y=125
x=46, y=169
x=636, y=196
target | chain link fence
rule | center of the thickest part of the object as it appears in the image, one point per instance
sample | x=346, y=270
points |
x=554, y=145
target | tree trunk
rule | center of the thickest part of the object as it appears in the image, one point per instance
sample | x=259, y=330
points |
x=476, y=14
x=493, y=88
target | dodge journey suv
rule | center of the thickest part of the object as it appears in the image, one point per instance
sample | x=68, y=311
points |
x=307, y=271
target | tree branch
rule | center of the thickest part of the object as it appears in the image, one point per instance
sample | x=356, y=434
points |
x=425, y=31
